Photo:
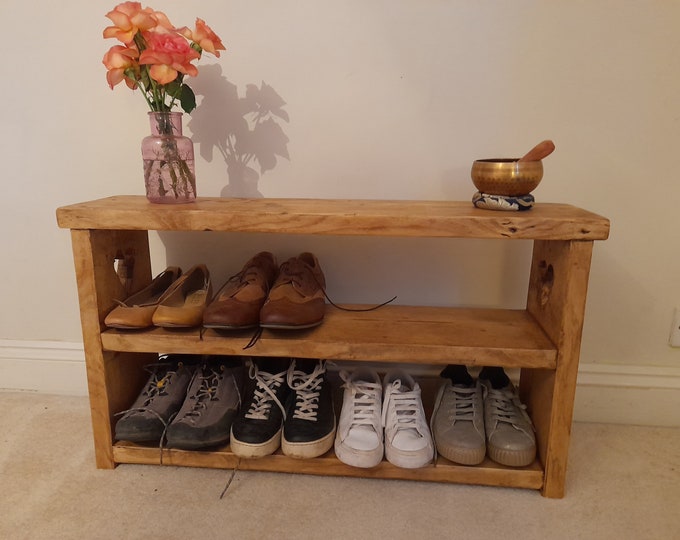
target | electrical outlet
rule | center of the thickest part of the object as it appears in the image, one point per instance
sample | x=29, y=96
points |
x=674, y=339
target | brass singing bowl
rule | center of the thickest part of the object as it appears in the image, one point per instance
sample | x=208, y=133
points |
x=508, y=177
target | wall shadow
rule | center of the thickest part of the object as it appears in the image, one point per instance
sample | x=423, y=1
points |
x=245, y=131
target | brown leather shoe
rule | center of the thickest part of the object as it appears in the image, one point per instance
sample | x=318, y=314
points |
x=184, y=304
x=237, y=304
x=297, y=297
x=137, y=311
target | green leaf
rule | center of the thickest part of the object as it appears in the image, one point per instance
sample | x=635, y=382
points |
x=187, y=99
x=173, y=88
x=144, y=79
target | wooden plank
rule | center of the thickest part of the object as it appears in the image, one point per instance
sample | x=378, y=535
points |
x=110, y=386
x=411, y=334
x=452, y=219
x=543, y=340
x=488, y=473
x=557, y=296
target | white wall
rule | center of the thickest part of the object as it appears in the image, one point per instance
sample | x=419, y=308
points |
x=385, y=99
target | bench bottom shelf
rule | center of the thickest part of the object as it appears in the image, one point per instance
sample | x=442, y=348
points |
x=487, y=473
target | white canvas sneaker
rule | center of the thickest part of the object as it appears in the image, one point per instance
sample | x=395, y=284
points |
x=408, y=442
x=359, y=439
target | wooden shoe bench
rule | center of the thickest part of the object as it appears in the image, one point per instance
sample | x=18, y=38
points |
x=543, y=340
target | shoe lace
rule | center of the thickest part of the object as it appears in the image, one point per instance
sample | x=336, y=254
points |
x=506, y=407
x=265, y=393
x=296, y=271
x=366, y=400
x=401, y=409
x=245, y=277
x=307, y=387
x=463, y=404
x=161, y=375
x=207, y=392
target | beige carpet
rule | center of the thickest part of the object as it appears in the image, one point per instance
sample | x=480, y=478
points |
x=623, y=482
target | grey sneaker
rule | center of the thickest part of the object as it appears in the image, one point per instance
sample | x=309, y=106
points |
x=160, y=399
x=510, y=436
x=212, y=401
x=458, y=423
x=408, y=442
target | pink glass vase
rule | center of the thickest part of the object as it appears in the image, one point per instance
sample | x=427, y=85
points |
x=168, y=160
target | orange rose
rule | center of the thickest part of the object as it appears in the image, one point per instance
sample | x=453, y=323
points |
x=118, y=60
x=155, y=55
x=161, y=18
x=204, y=37
x=167, y=54
x=129, y=18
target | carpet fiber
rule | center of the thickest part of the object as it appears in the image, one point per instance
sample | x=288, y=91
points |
x=622, y=482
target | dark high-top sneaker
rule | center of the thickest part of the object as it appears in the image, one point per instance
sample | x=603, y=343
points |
x=160, y=399
x=309, y=429
x=256, y=431
x=212, y=401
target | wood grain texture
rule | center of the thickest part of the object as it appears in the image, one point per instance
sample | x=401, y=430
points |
x=543, y=339
x=412, y=334
x=448, y=219
x=487, y=473
x=558, y=287
x=112, y=386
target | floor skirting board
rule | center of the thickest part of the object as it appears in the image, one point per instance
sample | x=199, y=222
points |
x=618, y=394
x=625, y=394
x=50, y=367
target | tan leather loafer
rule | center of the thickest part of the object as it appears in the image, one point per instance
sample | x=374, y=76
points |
x=137, y=311
x=237, y=304
x=184, y=304
x=297, y=298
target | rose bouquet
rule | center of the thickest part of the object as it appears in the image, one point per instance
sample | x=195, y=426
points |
x=154, y=57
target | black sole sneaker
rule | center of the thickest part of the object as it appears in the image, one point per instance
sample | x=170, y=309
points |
x=309, y=428
x=256, y=431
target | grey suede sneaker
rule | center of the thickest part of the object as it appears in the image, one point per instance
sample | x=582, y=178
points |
x=509, y=432
x=212, y=401
x=458, y=423
x=160, y=399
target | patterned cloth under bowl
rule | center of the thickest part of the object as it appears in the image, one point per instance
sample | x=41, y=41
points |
x=516, y=203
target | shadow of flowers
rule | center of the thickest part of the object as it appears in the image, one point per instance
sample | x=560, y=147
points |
x=245, y=130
